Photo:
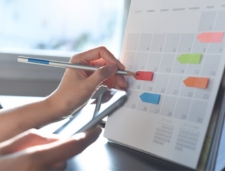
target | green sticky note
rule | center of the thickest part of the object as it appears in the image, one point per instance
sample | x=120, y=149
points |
x=190, y=58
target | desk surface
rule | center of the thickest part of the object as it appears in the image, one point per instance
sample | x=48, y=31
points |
x=104, y=155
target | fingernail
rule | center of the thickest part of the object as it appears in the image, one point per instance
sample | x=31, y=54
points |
x=123, y=66
x=112, y=68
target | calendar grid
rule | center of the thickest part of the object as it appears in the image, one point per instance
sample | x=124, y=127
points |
x=184, y=49
x=168, y=72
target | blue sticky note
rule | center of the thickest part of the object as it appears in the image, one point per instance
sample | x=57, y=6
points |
x=150, y=98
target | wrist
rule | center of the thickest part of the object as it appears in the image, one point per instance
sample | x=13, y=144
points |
x=59, y=107
x=55, y=107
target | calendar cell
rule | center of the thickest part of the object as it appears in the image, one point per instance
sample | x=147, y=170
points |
x=172, y=41
x=161, y=83
x=179, y=68
x=174, y=85
x=132, y=100
x=211, y=63
x=132, y=42
x=168, y=106
x=220, y=24
x=186, y=43
x=199, y=47
x=134, y=84
x=186, y=91
x=217, y=47
x=142, y=106
x=204, y=94
x=197, y=111
x=207, y=21
x=182, y=108
x=141, y=61
x=156, y=108
x=149, y=85
x=153, y=62
x=167, y=63
x=195, y=69
x=145, y=42
x=129, y=60
x=158, y=42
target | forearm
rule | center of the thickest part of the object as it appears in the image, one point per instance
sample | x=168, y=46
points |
x=34, y=115
x=74, y=91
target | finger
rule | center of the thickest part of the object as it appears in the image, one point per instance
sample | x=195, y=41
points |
x=101, y=75
x=119, y=88
x=58, y=166
x=116, y=81
x=96, y=54
x=109, y=83
x=100, y=62
x=25, y=140
x=62, y=150
x=121, y=81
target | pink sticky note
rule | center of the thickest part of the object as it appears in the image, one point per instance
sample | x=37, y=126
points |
x=211, y=37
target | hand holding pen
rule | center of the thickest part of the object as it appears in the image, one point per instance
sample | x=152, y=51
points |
x=99, y=60
x=61, y=64
x=75, y=89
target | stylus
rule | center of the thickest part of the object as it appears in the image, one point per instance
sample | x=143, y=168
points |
x=66, y=65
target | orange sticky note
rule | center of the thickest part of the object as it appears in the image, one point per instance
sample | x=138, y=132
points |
x=197, y=82
x=211, y=37
x=144, y=75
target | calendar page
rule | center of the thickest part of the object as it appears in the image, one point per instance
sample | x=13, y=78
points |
x=177, y=49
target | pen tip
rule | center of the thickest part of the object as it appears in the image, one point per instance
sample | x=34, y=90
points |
x=129, y=73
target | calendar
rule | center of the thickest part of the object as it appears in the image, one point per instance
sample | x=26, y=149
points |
x=177, y=48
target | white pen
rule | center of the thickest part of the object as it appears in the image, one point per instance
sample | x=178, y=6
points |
x=60, y=64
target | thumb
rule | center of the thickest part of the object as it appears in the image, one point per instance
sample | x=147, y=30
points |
x=102, y=74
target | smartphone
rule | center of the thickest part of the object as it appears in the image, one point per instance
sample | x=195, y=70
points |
x=111, y=100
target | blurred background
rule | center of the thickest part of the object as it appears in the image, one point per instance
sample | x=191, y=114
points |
x=61, y=25
x=53, y=29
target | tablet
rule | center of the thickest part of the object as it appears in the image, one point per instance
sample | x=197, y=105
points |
x=111, y=100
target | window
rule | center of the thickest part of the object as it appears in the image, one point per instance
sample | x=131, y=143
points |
x=53, y=29
x=61, y=25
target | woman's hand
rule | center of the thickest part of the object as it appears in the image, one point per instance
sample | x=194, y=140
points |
x=32, y=151
x=77, y=86
x=74, y=91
